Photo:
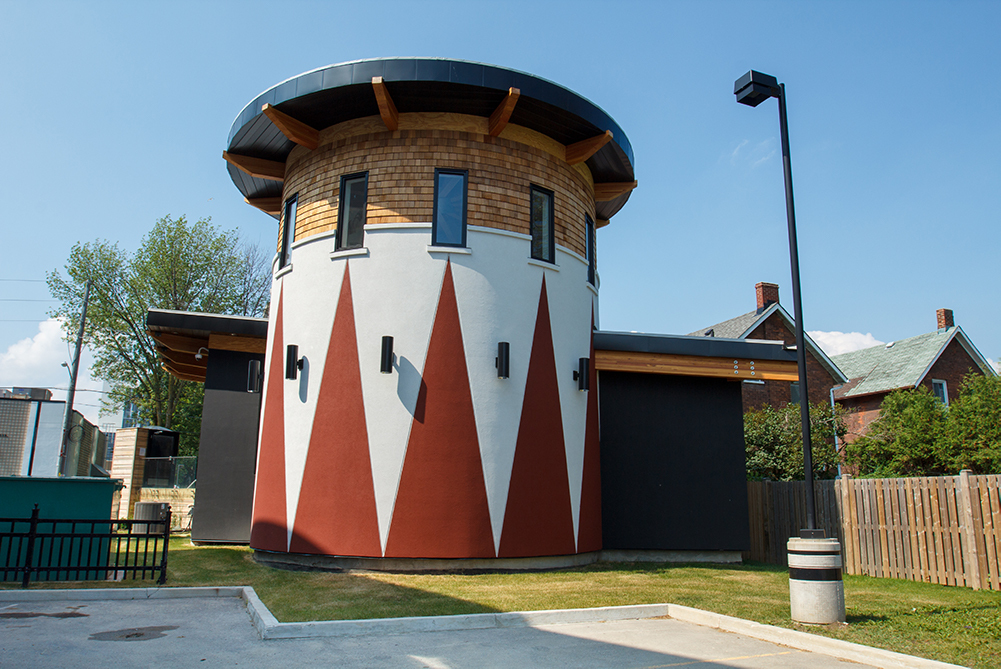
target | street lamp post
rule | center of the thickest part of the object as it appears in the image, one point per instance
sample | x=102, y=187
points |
x=816, y=592
x=752, y=89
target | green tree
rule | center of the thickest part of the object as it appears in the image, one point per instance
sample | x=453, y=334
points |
x=773, y=441
x=972, y=435
x=179, y=265
x=906, y=439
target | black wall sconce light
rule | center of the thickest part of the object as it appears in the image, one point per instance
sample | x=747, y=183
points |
x=386, y=364
x=293, y=363
x=582, y=374
x=254, y=376
x=503, y=360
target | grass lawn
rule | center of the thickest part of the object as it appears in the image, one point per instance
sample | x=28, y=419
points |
x=944, y=623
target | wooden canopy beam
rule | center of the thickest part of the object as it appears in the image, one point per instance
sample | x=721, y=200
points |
x=605, y=192
x=694, y=365
x=580, y=151
x=269, y=205
x=293, y=128
x=239, y=343
x=179, y=343
x=601, y=222
x=387, y=110
x=184, y=376
x=500, y=117
x=272, y=170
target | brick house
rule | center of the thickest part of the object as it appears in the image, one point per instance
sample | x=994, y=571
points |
x=937, y=360
x=770, y=321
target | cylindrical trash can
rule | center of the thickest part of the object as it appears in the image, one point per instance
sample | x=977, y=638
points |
x=816, y=591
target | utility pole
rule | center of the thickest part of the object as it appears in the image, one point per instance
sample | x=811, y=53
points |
x=73, y=372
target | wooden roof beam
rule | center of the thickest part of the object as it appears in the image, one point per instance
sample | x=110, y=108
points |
x=500, y=117
x=179, y=343
x=272, y=170
x=601, y=222
x=269, y=205
x=294, y=129
x=608, y=191
x=387, y=110
x=580, y=151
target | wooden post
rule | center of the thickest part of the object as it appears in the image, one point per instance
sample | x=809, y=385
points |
x=971, y=559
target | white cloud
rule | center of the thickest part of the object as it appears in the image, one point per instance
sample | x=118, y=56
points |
x=995, y=365
x=835, y=343
x=36, y=362
x=736, y=152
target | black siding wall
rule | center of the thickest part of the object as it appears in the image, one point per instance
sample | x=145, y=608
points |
x=227, y=454
x=672, y=463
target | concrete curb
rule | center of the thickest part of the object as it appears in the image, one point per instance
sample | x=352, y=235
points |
x=268, y=627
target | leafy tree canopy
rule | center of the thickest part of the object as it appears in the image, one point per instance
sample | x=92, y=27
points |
x=773, y=439
x=178, y=265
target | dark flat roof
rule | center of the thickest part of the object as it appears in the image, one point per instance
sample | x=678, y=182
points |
x=714, y=347
x=196, y=324
x=337, y=93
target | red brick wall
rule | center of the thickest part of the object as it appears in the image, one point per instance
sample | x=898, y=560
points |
x=776, y=393
x=862, y=411
x=952, y=366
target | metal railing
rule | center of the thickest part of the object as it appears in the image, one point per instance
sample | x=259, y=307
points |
x=62, y=549
x=179, y=472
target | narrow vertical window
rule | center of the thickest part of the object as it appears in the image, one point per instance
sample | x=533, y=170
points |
x=794, y=396
x=543, y=243
x=351, y=217
x=940, y=390
x=449, y=222
x=288, y=232
x=591, y=265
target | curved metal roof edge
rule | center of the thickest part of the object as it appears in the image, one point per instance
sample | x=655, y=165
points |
x=619, y=135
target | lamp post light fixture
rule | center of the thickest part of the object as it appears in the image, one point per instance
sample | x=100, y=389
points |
x=816, y=591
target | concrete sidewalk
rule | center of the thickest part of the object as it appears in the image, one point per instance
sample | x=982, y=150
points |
x=150, y=627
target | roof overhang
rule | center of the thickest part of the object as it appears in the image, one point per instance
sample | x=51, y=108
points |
x=735, y=359
x=185, y=339
x=330, y=95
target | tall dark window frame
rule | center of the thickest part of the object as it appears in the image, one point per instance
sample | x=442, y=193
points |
x=440, y=237
x=542, y=224
x=288, y=231
x=351, y=231
x=590, y=241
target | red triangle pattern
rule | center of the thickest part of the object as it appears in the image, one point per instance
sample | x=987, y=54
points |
x=538, y=519
x=268, y=529
x=336, y=513
x=589, y=523
x=441, y=506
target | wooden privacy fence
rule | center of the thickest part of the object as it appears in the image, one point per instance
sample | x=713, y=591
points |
x=943, y=530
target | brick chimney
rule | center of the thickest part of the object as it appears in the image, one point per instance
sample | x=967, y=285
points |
x=767, y=293
x=944, y=318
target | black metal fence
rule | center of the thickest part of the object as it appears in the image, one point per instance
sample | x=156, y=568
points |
x=60, y=549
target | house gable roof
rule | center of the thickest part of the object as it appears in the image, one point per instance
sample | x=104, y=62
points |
x=742, y=326
x=901, y=364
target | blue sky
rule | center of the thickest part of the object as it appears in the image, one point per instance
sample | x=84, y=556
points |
x=116, y=114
